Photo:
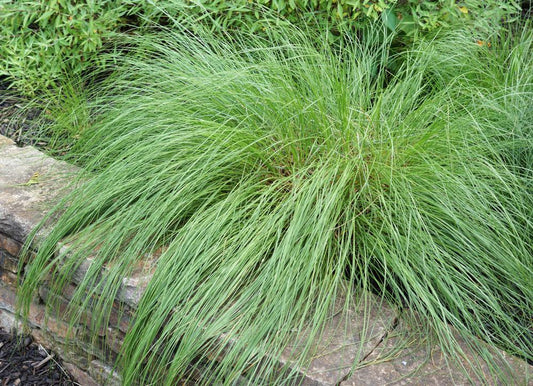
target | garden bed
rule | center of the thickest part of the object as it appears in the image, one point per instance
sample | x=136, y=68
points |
x=16, y=121
x=23, y=362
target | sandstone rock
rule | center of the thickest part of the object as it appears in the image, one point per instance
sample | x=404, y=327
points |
x=8, y=262
x=8, y=300
x=8, y=278
x=80, y=376
x=104, y=374
x=131, y=288
x=4, y=141
x=419, y=361
x=23, y=206
x=348, y=337
x=8, y=321
x=9, y=245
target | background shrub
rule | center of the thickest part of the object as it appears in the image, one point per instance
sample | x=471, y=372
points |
x=410, y=16
x=41, y=41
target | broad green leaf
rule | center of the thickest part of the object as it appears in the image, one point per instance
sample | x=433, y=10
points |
x=389, y=18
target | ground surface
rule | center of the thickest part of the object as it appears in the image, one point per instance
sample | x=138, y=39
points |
x=15, y=121
x=23, y=362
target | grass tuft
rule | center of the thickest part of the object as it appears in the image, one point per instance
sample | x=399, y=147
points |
x=279, y=173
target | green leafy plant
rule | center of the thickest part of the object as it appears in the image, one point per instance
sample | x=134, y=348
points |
x=43, y=40
x=270, y=175
x=413, y=17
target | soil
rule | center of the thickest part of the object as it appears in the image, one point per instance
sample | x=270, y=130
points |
x=25, y=363
x=17, y=122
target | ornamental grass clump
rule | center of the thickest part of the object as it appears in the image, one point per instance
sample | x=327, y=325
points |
x=273, y=175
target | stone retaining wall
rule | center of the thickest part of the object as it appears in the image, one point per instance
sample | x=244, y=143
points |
x=31, y=183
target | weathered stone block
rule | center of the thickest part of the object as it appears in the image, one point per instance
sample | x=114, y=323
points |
x=350, y=334
x=7, y=298
x=131, y=288
x=9, y=245
x=104, y=374
x=348, y=337
x=119, y=318
x=81, y=376
x=407, y=357
x=4, y=141
x=74, y=352
x=30, y=184
x=8, y=278
x=8, y=262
